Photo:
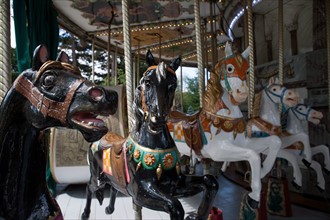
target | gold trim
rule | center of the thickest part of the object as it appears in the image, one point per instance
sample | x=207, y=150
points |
x=148, y=150
x=223, y=117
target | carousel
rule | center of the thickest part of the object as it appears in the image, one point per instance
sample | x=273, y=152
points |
x=263, y=122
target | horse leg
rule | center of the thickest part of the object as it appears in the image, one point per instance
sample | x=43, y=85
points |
x=269, y=146
x=149, y=196
x=292, y=158
x=302, y=137
x=191, y=185
x=319, y=175
x=228, y=151
x=325, y=151
x=87, y=210
x=111, y=207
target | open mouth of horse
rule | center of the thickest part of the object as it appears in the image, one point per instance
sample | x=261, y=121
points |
x=88, y=120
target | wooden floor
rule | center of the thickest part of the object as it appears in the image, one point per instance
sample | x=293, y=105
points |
x=71, y=199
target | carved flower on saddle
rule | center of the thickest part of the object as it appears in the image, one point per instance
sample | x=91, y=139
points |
x=241, y=126
x=149, y=159
x=228, y=125
x=168, y=160
x=137, y=154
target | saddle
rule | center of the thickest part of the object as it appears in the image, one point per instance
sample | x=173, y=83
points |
x=191, y=128
x=114, y=157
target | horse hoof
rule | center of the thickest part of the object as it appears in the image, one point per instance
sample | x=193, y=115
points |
x=295, y=185
x=252, y=203
x=326, y=171
x=320, y=189
x=109, y=210
x=307, y=164
x=84, y=216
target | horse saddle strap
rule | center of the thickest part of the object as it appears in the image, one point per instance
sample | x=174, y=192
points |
x=266, y=126
x=113, y=140
x=177, y=116
x=192, y=135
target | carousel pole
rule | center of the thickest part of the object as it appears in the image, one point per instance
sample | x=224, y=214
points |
x=109, y=38
x=280, y=42
x=93, y=58
x=251, y=59
x=199, y=52
x=327, y=3
x=4, y=47
x=128, y=62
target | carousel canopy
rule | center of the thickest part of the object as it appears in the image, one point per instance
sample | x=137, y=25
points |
x=165, y=27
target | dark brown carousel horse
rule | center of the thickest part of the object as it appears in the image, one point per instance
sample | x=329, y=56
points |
x=146, y=166
x=51, y=94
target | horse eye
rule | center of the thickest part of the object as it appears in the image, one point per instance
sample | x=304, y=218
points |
x=274, y=89
x=49, y=81
x=230, y=68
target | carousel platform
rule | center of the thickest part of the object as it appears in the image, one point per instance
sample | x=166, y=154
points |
x=71, y=199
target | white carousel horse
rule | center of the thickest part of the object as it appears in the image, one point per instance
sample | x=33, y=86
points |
x=294, y=125
x=224, y=136
x=268, y=122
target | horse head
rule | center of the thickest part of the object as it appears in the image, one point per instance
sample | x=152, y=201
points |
x=305, y=112
x=278, y=93
x=230, y=74
x=59, y=96
x=155, y=93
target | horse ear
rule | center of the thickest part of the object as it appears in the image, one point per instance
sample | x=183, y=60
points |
x=63, y=57
x=228, y=50
x=246, y=53
x=150, y=59
x=40, y=56
x=176, y=63
x=271, y=81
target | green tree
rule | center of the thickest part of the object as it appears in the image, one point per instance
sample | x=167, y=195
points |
x=191, y=96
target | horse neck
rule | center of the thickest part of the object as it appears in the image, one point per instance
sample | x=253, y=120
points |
x=232, y=111
x=294, y=124
x=269, y=111
x=21, y=158
x=150, y=140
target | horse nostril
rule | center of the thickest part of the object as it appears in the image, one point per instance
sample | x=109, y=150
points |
x=96, y=93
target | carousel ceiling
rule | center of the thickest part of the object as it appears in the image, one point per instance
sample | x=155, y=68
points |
x=165, y=27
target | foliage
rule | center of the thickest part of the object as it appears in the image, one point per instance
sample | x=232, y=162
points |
x=191, y=96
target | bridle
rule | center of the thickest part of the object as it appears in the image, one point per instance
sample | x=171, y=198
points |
x=46, y=106
x=269, y=93
x=296, y=111
x=144, y=109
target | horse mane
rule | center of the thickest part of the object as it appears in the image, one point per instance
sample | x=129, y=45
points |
x=214, y=90
x=257, y=104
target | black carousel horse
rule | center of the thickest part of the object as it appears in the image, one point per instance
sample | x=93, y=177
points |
x=146, y=166
x=50, y=94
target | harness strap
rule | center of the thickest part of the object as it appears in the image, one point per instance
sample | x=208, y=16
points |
x=265, y=126
x=45, y=105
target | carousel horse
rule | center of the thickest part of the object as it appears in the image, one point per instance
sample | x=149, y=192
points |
x=217, y=132
x=294, y=125
x=50, y=94
x=145, y=165
x=267, y=121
